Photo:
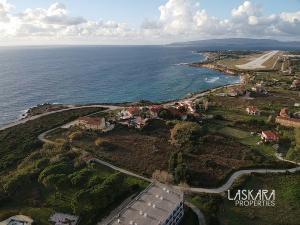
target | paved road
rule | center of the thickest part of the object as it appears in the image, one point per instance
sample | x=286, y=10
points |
x=120, y=169
x=258, y=62
x=240, y=173
x=197, y=211
x=218, y=190
x=111, y=107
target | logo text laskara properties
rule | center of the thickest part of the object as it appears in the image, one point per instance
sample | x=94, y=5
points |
x=256, y=198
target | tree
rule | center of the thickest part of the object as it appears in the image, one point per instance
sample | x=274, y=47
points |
x=205, y=104
x=172, y=162
x=186, y=134
x=294, y=151
x=297, y=137
x=77, y=135
x=180, y=172
x=165, y=114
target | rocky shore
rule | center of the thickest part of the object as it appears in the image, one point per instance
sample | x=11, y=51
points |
x=43, y=108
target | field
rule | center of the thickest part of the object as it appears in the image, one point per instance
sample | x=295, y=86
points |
x=19, y=141
x=38, y=179
x=286, y=211
x=60, y=187
x=219, y=210
x=147, y=150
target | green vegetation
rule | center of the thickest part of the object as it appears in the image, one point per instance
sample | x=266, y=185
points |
x=178, y=167
x=294, y=152
x=209, y=205
x=220, y=211
x=56, y=178
x=187, y=135
x=287, y=207
x=37, y=179
x=19, y=141
x=190, y=218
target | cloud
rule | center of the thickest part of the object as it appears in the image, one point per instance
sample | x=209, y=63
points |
x=178, y=20
x=52, y=23
x=5, y=8
x=185, y=17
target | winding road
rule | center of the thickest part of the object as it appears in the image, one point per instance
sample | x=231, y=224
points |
x=22, y=121
x=221, y=189
x=226, y=186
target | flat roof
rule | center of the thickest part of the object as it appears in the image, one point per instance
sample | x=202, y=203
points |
x=152, y=207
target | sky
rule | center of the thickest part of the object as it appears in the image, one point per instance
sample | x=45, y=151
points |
x=30, y=22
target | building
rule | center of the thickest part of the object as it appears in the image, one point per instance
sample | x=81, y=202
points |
x=155, y=109
x=236, y=91
x=94, y=123
x=134, y=111
x=252, y=110
x=189, y=106
x=259, y=88
x=288, y=122
x=157, y=205
x=269, y=136
x=129, y=113
x=295, y=84
x=284, y=113
x=17, y=220
x=63, y=219
x=177, y=114
x=138, y=122
x=284, y=119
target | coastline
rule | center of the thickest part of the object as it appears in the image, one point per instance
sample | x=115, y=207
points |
x=29, y=113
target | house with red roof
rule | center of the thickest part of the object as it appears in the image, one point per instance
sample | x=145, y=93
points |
x=252, y=110
x=94, y=123
x=269, y=136
x=130, y=112
x=155, y=109
x=138, y=122
x=284, y=119
x=284, y=113
x=134, y=111
x=177, y=114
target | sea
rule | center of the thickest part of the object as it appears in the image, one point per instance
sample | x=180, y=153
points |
x=98, y=74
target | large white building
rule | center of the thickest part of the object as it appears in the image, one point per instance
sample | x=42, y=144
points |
x=157, y=205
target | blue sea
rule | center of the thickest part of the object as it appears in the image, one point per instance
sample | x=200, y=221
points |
x=89, y=74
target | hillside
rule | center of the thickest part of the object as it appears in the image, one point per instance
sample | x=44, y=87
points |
x=239, y=44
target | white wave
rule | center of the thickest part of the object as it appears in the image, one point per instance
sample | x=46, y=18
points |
x=181, y=64
x=212, y=80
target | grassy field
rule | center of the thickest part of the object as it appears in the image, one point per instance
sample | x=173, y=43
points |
x=64, y=183
x=145, y=151
x=19, y=141
x=220, y=211
x=286, y=211
x=37, y=180
x=190, y=218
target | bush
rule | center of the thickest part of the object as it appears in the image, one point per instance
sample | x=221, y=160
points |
x=186, y=134
x=75, y=136
x=16, y=183
x=60, y=168
x=100, y=142
x=165, y=114
x=95, y=180
x=56, y=180
x=79, y=178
